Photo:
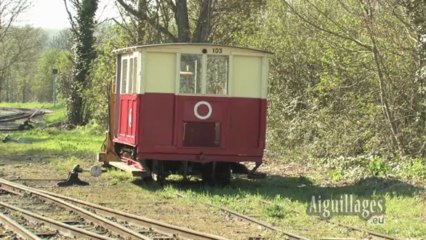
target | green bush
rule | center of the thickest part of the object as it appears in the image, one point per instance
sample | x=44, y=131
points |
x=378, y=166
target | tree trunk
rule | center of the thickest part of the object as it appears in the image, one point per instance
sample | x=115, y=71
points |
x=141, y=25
x=84, y=54
x=387, y=112
x=181, y=12
x=182, y=21
x=203, y=28
x=385, y=105
x=75, y=108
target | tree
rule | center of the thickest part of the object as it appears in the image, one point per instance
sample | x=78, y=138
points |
x=10, y=10
x=83, y=26
x=376, y=29
x=109, y=37
x=416, y=10
x=157, y=15
x=137, y=31
x=42, y=80
x=19, y=51
x=189, y=20
x=62, y=41
x=326, y=96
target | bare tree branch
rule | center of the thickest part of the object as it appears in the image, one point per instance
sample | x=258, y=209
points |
x=381, y=72
x=336, y=34
x=123, y=26
x=171, y=5
x=150, y=21
x=9, y=12
x=165, y=12
x=70, y=18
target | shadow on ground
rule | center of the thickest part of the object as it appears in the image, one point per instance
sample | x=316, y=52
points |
x=294, y=188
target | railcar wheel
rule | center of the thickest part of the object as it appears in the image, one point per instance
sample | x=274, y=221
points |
x=223, y=174
x=216, y=173
x=207, y=173
x=157, y=171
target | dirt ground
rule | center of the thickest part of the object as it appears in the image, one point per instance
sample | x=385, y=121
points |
x=132, y=196
x=154, y=201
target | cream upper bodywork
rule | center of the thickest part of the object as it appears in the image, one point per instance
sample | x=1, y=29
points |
x=157, y=69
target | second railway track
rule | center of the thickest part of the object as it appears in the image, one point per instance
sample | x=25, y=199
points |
x=287, y=234
x=31, y=211
x=290, y=235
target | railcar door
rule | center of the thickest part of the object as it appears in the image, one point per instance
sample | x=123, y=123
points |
x=129, y=101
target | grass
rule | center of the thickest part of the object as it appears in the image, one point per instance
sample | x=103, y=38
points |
x=52, y=141
x=62, y=149
x=117, y=176
x=281, y=199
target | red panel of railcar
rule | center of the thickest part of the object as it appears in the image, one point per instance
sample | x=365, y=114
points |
x=158, y=112
x=129, y=125
x=168, y=128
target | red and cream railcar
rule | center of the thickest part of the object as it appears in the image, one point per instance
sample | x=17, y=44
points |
x=190, y=108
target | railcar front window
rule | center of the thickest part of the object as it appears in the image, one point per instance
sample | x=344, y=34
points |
x=217, y=74
x=190, y=73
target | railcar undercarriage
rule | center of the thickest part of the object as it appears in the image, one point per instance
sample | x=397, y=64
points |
x=212, y=173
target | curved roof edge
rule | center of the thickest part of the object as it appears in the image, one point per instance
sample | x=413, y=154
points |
x=133, y=48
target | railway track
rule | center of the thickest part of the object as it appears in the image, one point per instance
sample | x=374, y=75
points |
x=12, y=114
x=15, y=227
x=30, y=211
x=349, y=227
x=9, y=118
x=291, y=235
x=368, y=232
x=288, y=234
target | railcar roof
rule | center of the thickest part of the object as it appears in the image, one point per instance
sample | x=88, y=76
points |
x=183, y=45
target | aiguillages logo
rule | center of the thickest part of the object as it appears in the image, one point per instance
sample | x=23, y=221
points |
x=346, y=204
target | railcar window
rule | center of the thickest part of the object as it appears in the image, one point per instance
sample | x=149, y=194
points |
x=130, y=80
x=190, y=73
x=217, y=74
x=129, y=75
x=124, y=76
x=135, y=74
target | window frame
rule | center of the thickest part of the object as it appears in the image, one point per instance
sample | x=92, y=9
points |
x=201, y=74
x=204, y=57
x=124, y=71
x=227, y=57
x=132, y=72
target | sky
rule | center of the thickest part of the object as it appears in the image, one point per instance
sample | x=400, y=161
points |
x=51, y=14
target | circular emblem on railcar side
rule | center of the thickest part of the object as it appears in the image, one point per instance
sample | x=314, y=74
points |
x=209, y=112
